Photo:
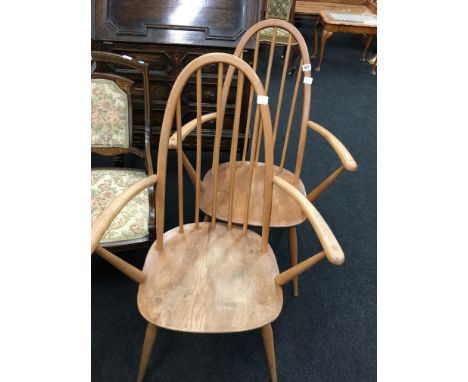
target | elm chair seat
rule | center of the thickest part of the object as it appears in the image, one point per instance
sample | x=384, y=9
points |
x=210, y=280
x=285, y=211
x=132, y=221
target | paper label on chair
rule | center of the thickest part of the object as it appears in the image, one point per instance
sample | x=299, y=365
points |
x=306, y=68
x=126, y=57
x=308, y=80
x=262, y=100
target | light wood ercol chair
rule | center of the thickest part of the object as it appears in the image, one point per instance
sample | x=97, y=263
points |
x=286, y=213
x=213, y=277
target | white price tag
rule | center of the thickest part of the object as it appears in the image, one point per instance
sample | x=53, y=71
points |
x=308, y=80
x=126, y=57
x=306, y=68
x=262, y=100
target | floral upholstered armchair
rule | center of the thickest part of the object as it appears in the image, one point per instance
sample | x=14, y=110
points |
x=111, y=135
x=278, y=9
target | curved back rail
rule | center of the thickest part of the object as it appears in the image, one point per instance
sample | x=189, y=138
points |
x=173, y=108
x=303, y=72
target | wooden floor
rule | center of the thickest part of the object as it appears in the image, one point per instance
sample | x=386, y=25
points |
x=285, y=211
x=210, y=280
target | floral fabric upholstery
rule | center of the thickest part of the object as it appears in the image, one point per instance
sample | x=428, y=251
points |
x=278, y=9
x=109, y=114
x=132, y=221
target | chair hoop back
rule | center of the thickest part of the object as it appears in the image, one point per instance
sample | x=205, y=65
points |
x=304, y=72
x=173, y=108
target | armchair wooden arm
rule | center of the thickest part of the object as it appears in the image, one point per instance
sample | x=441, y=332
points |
x=347, y=161
x=188, y=128
x=103, y=221
x=331, y=248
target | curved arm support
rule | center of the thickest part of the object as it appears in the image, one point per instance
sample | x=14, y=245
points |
x=134, y=273
x=293, y=272
x=330, y=245
x=346, y=158
x=104, y=220
x=188, y=128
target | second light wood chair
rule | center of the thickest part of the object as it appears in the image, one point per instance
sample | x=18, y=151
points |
x=214, y=277
x=285, y=212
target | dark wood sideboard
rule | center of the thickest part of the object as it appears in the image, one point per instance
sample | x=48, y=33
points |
x=168, y=34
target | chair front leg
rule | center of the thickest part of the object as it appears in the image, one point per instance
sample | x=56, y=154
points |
x=268, y=343
x=292, y=64
x=150, y=337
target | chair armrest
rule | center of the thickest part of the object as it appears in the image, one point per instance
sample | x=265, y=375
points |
x=188, y=128
x=330, y=245
x=346, y=158
x=103, y=221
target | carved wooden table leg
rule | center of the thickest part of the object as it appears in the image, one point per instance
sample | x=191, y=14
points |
x=150, y=336
x=293, y=255
x=314, y=55
x=366, y=46
x=268, y=343
x=325, y=36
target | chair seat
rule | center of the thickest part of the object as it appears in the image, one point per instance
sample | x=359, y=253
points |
x=285, y=211
x=210, y=280
x=282, y=36
x=132, y=221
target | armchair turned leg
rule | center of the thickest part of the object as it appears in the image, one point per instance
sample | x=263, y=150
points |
x=325, y=36
x=268, y=343
x=150, y=336
x=292, y=64
x=293, y=255
x=283, y=53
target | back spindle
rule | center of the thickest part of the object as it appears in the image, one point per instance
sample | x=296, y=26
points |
x=199, y=144
x=180, y=179
x=291, y=117
x=249, y=112
x=217, y=144
x=235, y=137
x=281, y=91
